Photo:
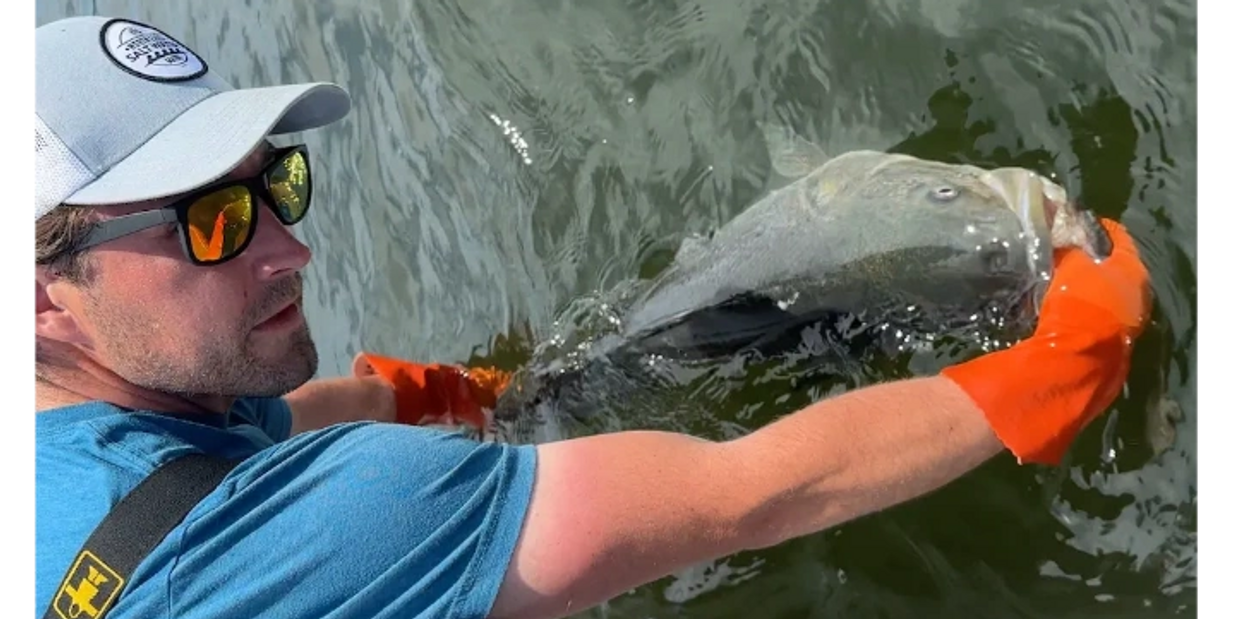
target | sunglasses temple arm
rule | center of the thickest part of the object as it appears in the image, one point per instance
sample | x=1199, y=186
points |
x=128, y=224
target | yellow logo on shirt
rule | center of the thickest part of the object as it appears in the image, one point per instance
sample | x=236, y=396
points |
x=89, y=590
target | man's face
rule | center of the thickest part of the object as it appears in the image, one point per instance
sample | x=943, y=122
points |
x=162, y=323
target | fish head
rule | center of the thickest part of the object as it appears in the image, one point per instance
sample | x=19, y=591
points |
x=991, y=231
x=977, y=221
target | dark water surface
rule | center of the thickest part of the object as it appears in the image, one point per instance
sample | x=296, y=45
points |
x=507, y=160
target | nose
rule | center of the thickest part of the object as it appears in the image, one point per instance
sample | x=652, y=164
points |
x=275, y=252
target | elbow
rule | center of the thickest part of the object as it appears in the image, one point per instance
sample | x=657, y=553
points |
x=784, y=501
x=771, y=522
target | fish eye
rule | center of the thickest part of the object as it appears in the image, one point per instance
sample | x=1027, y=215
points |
x=944, y=193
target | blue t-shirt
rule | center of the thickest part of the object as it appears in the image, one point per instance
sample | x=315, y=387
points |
x=356, y=520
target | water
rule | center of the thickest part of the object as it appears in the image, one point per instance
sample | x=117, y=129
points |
x=506, y=160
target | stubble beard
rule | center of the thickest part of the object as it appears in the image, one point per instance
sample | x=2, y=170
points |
x=224, y=363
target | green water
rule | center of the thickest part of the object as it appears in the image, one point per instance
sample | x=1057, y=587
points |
x=439, y=236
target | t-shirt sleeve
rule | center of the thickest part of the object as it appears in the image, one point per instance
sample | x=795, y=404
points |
x=358, y=520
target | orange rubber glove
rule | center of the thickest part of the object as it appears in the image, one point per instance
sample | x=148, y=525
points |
x=1038, y=394
x=434, y=393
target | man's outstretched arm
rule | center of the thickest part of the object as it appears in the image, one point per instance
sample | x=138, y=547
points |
x=612, y=512
x=400, y=391
x=326, y=401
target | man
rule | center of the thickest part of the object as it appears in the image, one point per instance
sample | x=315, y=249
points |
x=168, y=322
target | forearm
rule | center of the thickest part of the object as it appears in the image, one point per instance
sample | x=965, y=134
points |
x=855, y=454
x=321, y=403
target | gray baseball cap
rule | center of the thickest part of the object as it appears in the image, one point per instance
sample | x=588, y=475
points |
x=124, y=113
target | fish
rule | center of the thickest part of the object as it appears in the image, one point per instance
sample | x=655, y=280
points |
x=883, y=237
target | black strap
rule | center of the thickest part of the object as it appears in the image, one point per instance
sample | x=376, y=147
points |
x=131, y=531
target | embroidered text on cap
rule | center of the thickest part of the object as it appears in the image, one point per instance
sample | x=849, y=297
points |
x=148, y=53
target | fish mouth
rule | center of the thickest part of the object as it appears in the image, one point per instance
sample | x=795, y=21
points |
x=1049, y=220
x=1047, y=214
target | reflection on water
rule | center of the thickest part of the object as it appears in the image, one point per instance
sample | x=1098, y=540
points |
x=508, y=159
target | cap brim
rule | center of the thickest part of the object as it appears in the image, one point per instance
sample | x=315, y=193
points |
x=210, y=139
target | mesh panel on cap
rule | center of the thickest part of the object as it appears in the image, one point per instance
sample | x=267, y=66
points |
x=58, y=173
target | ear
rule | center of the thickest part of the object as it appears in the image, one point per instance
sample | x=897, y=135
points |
x=54, y=318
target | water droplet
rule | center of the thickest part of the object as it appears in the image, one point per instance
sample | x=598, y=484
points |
x=971, y=229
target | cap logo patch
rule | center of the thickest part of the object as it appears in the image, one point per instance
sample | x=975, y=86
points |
x=148, y=53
